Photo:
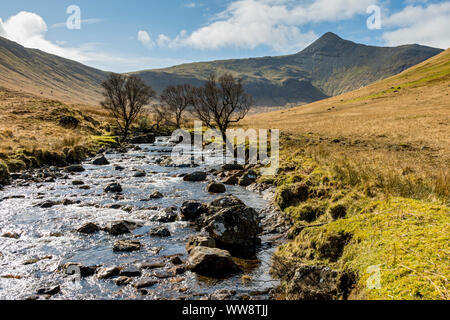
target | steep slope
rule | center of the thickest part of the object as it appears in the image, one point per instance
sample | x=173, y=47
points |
x=327, y=67
x=50, y=76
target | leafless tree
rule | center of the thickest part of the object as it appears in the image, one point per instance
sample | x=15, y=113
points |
x=125, y=99
x=159, y=115
x=176, y=100
x=220, y=103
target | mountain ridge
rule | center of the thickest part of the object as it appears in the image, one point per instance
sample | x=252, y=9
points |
x=328, y=67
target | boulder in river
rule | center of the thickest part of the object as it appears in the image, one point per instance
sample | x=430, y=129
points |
x=212, y=262
x=130, y=271
x=72, y=268
x=88, y=228
x=197, y=176
x=215, y=187
x=114, y=188
x=118, y=228
x=234, y=228
x=75, y=168
x=100, y=161
x=191, y=210
x=126, y=246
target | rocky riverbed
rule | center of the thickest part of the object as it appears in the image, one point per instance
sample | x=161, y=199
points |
x=130, y=224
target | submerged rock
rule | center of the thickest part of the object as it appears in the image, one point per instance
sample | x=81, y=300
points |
x=118, y=228
x=156, y=195
x=126, y=246
x=212, y=262
x=51, y=291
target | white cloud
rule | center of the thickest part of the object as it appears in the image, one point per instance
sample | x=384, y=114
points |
x=29, y=30
x=275, y=23
x=145, y=39
x=426, y=25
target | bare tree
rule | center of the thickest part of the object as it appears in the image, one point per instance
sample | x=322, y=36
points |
x=125, y=99
x=159, y=115
x=219, y=103
x=176, y=100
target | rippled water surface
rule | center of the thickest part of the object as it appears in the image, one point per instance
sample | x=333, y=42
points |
x=50, y=234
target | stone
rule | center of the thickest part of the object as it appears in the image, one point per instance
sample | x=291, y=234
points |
x=231, y=181
x=156, y=195
x=197, y=176
x=100, y=161
x=72, y=268
x=51, y=291
x=88, y=228
x=145, y=283
x=139, y=174
x=191, y=210
x=118, y=228
x=313, y=283
x=123, y=281
x=160, y=232
x=131, y=272
x=47, y=204
x=77, y=183
x=114, y=188
x=248, y=178
x=11, y=235
x=232, y=167
x=215, y=187
x=75, y=168
x=126, y=246
x=108, y=273
x=176, y=261
x=149, y=265
x=212, y=262
x=200, y=241
x=235, y=229
x=143, y=139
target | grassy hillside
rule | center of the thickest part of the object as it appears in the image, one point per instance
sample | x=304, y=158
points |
x=46, y=75
x=32, y=132
x=328, y=67
x=365, y=181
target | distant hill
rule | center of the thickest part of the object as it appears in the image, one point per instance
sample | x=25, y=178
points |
x=328, y=67
x=47, y=75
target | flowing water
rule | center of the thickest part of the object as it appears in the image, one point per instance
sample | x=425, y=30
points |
x=49, y=235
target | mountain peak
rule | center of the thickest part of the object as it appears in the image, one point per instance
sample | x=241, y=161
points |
x=328, y=42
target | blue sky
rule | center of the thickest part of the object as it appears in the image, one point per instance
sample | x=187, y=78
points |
x=133, y=35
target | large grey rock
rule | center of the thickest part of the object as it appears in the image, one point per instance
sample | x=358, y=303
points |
x=212, y=262
x=234, y=228
x=215, y=187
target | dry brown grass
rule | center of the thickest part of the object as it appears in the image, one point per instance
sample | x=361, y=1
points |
x=397, y=127
x=30, y=123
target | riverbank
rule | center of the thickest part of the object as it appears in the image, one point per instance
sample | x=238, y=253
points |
x=359, y=232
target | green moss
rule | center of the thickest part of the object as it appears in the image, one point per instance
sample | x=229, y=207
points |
x=408, y=239
x=108, y=141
